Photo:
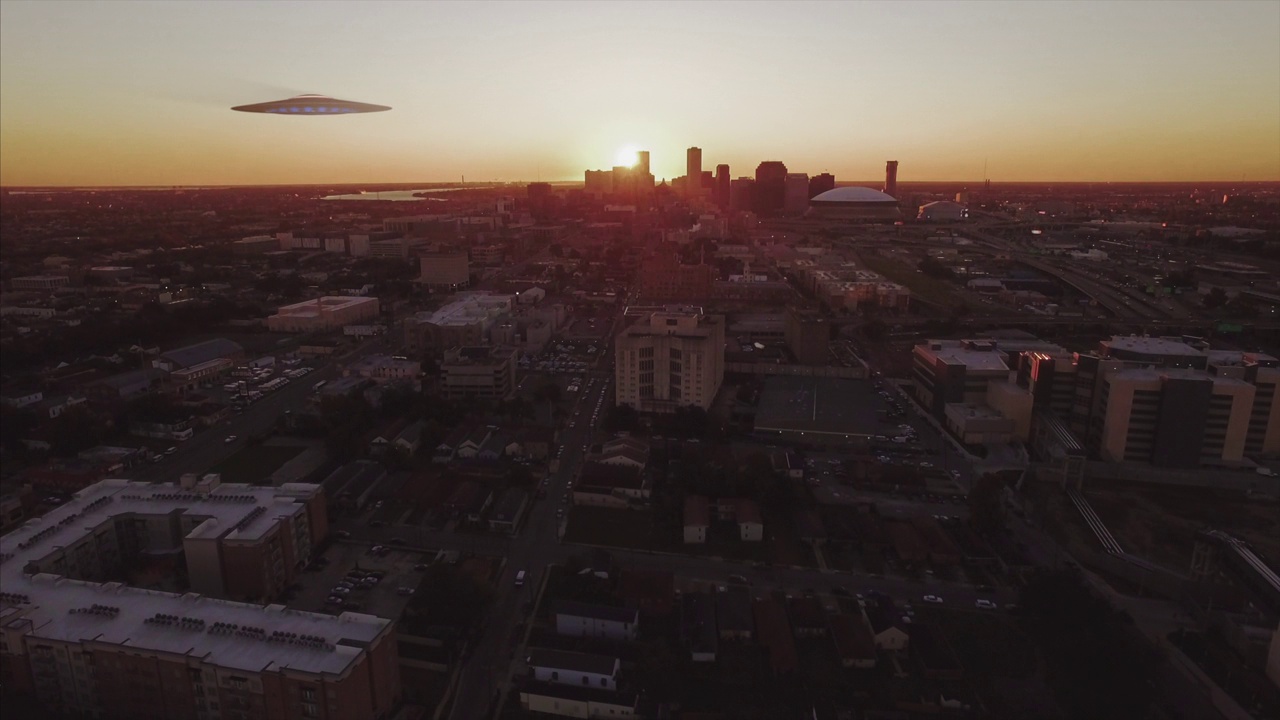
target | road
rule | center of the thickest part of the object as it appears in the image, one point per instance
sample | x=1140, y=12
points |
x=486, y=670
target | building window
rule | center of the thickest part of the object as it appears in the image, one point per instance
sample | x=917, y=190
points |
x=555, y=675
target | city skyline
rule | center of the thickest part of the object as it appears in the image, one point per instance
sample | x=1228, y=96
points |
x=1052, y=92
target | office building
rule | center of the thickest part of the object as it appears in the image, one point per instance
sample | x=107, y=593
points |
x=693, y=172
x=1173, y=417
x=670, y=359
x=87, y=646
x=642, y=162
x=478, y=372
x=819, y=184
x=465, y=320
x=664, y=278
x=721, y=195
x=444, y=270
x=808, y=336
x=39, y=282
x=256, y=245
x=741, y=194
x=891, y=178
x=968, y=385
x=330, y=312
x=770, y=191
x=796, y=198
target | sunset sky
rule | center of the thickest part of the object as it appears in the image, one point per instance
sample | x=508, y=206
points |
x=138, y=93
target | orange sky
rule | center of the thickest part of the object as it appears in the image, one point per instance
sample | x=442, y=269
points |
x=124, y=93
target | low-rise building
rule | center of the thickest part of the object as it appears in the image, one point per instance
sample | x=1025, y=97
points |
x=330, y=312
x=697, y=519
x=599, y=621
x=574, y=668
x=478, y=372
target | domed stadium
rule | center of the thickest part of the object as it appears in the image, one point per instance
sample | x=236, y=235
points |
x=854, y=203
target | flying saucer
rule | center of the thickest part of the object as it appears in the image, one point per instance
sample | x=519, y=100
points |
x=312, y=105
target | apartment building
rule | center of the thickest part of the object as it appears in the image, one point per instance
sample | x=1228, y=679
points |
x=479, y=372
x=670, y=359
x=666, y=279
x=83, y=646
x=444, y=270
x=331, y=312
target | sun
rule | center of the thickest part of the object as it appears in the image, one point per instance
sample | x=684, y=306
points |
x=628, y=156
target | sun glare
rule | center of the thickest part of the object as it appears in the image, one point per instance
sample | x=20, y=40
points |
x=627, y=156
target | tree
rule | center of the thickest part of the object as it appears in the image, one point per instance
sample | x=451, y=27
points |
x=621, y=418
x=986, y=504
x=1216, y=298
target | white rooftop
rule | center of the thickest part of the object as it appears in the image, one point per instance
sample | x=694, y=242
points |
x=852, y=194
x=227, y=634
x=1151, y=345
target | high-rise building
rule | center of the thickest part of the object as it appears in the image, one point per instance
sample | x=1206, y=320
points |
x=599, y=183
x=771, y=188
x=670, y=359
x=693, y=171
x=796, y=199
x=819, y=184
x=741, y=193
x=891, y=178
x=721, y=195
x=642, y=162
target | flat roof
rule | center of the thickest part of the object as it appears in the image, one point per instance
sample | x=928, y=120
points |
x=1151, y=345
x=566, y=660
x=232, y=635
x=820, y=405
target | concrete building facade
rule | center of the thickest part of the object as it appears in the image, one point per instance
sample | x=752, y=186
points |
x=670, y=359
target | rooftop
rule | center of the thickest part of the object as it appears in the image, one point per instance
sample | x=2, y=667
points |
x=1150, y=345
x=566, y=660
x=220, y=632
x=852, y=194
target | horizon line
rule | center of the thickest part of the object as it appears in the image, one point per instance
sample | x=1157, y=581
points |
x=491, y=183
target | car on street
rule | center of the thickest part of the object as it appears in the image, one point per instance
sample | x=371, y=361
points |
x=230, y=439
x=340, y=590
x=984, y=604
x=932, y=599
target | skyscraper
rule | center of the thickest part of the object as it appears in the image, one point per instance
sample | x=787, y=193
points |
x=819, y=184
x=796, y=198
x=642, y=162
x=770, y=188
x=741, y=192
x=721, y=196
x=693, y=171
x=891, y=178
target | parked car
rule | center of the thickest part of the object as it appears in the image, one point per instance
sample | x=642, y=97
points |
x=985, y=604
x=932, y=599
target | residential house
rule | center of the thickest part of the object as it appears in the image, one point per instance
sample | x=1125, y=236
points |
x=386, y=438
x=625, y=451
x=698, y=625
x=808, y=617
x=652, y=592
x=774, y=634
x=579, y=619
x=469, y=500
x=750, y=522
x=610, y=485
x=470, y=446
x=410, y=439
x=854, y=643
x=54, y=406
x=508, y=510
x=577, y=702
x=888, y=624
x=21, y=397
x=933, y=655
x=697, y=519
x=809, y=527
x=733, y=613
x=574, y=668
x=536, y=442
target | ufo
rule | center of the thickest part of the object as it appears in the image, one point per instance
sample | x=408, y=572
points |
x=311, y=105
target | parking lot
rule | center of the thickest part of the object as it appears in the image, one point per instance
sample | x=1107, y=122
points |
x=344, y=559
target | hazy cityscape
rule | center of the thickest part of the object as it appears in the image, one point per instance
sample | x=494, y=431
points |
x=698, y=430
